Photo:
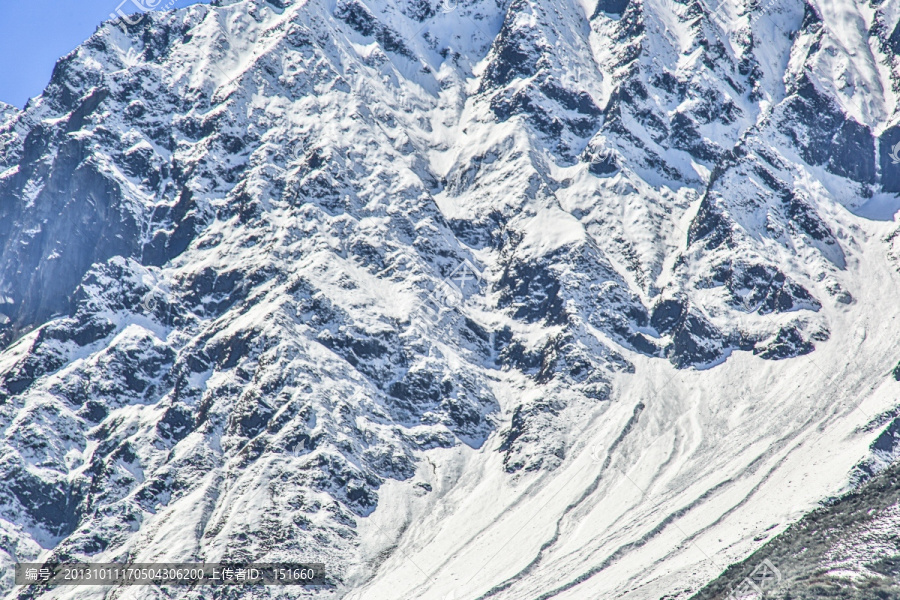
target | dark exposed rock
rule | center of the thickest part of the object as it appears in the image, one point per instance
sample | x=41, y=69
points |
x=894, y=40
x=801, y=553
x=695, y=341
x=550, y=108
x=532, y=292
x=521, y=428
x=49, y=503
x=889, y=158
x=614, y=7
x=167, y=244
x=419, y=10
x=788, y=343
x=513, y=53
x=85, y=205
x=684, y=135
x=709, y=225
x=601, y=163
x=763, y=289
x=668, y=314
x=825, y=136
x=804, y=217
x=176, y=423
x=361, y=20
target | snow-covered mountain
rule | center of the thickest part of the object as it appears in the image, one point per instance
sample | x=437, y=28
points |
x=465, y=299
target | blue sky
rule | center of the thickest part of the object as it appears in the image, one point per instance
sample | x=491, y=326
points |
x=34, y=34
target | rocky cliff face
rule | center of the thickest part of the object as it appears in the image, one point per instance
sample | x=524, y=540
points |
x=589, y=296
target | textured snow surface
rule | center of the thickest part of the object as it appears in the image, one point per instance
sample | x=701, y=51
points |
x=466, y=299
